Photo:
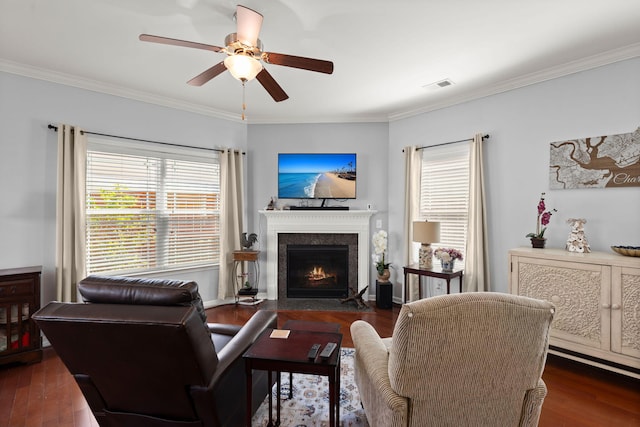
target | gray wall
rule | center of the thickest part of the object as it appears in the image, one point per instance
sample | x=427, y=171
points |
x=28, y=160
x=368, y=140
x=522, y=123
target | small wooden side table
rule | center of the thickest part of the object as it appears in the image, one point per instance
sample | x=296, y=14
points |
x=435, y=271
x=248, y=274
x=291, y=355
x=307, y=325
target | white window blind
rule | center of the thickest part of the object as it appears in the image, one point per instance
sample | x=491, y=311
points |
x=151, y=210
x=444, y=192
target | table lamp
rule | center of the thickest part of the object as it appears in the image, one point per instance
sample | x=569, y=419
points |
x=426, y=233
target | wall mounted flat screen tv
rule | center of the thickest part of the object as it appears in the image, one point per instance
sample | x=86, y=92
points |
x=317, y=176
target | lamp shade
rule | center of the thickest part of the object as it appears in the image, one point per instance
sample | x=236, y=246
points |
x=242, y=67
x=426, y=232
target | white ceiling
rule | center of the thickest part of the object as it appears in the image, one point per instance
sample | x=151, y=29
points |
x=384, y=52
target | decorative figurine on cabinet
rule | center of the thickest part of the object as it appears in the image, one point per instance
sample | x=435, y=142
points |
x=577, y=241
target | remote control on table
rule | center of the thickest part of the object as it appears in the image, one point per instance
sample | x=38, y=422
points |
x=313, y=352
x=328, y=349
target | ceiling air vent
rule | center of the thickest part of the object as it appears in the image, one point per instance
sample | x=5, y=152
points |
x=438, y=85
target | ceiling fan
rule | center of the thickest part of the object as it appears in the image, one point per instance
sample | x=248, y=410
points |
x=245, y=55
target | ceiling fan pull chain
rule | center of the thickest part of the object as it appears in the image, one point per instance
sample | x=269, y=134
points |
x=244, y=105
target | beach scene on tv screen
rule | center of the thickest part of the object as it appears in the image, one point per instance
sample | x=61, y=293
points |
x=317, y=176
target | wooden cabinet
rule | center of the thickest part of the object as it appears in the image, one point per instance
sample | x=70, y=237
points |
x=19, y=298
x=625, y=311
x=597, y=299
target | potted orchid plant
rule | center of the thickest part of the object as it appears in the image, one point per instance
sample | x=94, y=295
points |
x=544, y=216
x=379, y=241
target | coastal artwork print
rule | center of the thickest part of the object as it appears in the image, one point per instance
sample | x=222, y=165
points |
x=596, y=162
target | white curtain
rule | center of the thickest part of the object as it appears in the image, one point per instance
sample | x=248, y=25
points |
x=70, y=212
x=476, y=275
x=412, y=166
x=232, y=194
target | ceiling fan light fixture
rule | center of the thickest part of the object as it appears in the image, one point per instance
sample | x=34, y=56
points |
x=245, y=55
x=243, y=67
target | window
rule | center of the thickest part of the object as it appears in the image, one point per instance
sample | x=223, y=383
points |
x=149, y=210
x=444, y=192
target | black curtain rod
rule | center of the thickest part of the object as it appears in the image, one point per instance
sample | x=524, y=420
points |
x=55, y=128
x=447, y=143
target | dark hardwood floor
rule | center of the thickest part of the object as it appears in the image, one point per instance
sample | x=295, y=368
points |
x=44, y=394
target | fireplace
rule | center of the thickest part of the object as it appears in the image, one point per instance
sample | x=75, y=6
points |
x=317, y=265
x=348, y=227
x=317, y=271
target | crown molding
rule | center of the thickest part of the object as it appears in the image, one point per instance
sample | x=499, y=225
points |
x=100, y=87
x=583, y=64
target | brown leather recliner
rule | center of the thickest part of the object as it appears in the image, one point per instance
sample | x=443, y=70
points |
x=143, y=355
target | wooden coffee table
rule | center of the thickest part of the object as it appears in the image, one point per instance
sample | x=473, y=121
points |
x=290, y=355
x=308, y=325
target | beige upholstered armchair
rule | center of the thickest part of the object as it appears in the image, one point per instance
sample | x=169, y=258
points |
x=471, y=359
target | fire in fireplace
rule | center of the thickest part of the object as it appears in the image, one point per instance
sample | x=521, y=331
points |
x=317, y=271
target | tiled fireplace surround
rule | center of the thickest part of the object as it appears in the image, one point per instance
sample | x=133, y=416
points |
x=353, y=223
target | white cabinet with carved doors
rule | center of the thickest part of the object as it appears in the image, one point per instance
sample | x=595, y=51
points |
x=597, y=297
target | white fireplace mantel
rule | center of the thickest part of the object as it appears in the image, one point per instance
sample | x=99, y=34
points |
x=316, y=221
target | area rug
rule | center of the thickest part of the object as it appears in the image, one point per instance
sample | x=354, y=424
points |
x=310, y=404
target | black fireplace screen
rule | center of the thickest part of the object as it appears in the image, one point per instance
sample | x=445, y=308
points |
x=317, y=271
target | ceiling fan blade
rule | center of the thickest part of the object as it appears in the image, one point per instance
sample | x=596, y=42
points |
x=269, y=83
x=207, y=75
x=249, y=24
x=309, y=64
x=176, y=42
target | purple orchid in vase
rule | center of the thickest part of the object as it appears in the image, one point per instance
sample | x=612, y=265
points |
x=544, y=216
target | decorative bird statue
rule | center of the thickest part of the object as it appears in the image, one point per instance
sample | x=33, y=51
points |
x=247, y=242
